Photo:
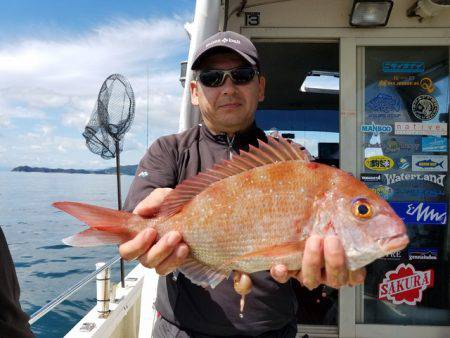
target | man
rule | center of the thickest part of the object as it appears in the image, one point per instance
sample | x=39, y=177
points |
x=13, y=321
x=227, y=89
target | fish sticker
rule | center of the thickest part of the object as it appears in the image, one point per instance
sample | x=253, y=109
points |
x=429, y=162
x=256, y=210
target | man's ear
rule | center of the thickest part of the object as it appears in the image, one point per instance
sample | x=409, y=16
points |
x=261, y=88
x=193, y=86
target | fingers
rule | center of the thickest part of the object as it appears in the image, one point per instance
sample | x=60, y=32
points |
x=176, y=259
x=335, y=265
x=356, y=277
x=161, y=250
x=312, y=262
x=150, y=205
x=281, y=274
x=138, y=245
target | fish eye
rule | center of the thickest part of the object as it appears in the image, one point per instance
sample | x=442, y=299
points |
x=362, y=208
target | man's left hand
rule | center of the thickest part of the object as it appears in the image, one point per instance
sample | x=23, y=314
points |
x=323, y=263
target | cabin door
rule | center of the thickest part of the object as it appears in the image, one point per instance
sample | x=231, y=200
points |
x=302, y=103
x=394, y=115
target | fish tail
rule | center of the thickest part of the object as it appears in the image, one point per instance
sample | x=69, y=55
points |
x=107, y=226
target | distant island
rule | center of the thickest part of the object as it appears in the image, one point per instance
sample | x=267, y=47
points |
x=125, y=169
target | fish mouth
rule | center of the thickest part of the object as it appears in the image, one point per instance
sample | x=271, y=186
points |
x=393, y=243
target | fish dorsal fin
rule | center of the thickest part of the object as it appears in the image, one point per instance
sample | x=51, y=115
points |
x=275, y=150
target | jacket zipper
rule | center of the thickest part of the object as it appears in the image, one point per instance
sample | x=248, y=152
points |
x=230, y=146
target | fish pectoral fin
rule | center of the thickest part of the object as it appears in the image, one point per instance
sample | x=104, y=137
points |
x=93, y=237
x=202, y=274
x=287, y=253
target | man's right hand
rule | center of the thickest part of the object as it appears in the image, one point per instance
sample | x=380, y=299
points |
x=166, y=254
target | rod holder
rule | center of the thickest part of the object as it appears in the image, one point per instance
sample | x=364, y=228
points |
x=103, y=289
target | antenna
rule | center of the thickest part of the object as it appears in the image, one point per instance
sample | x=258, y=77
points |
x=148, y=102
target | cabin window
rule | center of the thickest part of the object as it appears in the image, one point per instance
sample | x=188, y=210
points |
x=404, y=151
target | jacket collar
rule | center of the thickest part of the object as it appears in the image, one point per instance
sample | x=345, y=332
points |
x=241, y=140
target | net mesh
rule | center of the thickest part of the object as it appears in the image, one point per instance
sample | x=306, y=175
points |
x=112, y=117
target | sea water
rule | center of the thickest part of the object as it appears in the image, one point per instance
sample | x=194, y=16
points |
x=33, y=228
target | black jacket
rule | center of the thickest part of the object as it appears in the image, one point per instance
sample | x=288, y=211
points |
x=13, y=321
x=270, y=305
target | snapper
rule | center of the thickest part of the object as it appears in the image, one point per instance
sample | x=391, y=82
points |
x=256, y=210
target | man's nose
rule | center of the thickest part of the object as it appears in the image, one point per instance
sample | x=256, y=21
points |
x=228, y=86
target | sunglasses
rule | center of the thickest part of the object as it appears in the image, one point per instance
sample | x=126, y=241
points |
x=216, y=77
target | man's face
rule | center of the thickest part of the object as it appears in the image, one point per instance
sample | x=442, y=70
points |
x=230, y=107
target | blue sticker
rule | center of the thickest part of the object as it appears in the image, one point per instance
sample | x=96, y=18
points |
x=409, y=192
x=403, y=67
x=422, y=254
x=434, y=144
x=403, y=163
x=376, y=128
x=384, y=103
x=421, y=212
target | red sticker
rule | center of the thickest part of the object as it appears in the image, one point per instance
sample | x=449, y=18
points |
x=405, y=284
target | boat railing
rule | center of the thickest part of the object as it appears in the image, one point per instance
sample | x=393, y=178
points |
x=66, y=294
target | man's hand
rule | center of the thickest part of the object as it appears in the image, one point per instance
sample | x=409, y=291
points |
x=323, y=263
x=165, y=255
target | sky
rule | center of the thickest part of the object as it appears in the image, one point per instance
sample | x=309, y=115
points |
x=54, y=57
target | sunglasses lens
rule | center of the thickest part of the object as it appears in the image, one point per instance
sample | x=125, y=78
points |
x=242, y=75
x=211, y=78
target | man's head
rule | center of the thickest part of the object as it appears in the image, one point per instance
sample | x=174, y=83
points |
x=227, y=100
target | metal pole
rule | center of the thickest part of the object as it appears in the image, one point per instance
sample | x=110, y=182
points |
x=66, y=294
x=119, y=206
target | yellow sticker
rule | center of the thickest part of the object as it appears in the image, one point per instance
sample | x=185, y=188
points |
x=379, y=163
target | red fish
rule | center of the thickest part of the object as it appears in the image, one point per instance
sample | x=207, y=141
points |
x=256, y=210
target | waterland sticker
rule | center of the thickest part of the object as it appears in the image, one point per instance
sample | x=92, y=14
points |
x=419, y=128
x=433, y=178
x=421, y=212
x=405, y=284
x=376, y=128
x=429, y=162
x=434, y=144
x=403, y=67
x=425, y=107
x=379, y=163
x=428, y=254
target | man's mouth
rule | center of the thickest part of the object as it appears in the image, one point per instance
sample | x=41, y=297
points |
x=229, y=105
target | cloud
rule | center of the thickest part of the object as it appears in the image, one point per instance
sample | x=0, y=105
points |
x=49, y=88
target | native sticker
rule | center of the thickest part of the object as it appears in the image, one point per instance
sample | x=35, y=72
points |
x=379, y=163
x=419, y=128
x=405, y=285
x=425, y=107
x=429, y=162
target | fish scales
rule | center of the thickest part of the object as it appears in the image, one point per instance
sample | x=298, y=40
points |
x=250, y=211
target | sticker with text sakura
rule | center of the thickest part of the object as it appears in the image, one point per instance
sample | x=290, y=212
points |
x=405, y=285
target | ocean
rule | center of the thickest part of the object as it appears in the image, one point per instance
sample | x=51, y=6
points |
x=33, y=228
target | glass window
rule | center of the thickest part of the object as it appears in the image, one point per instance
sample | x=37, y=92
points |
x=404, y=158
